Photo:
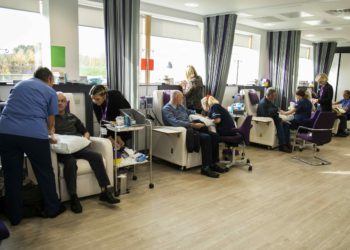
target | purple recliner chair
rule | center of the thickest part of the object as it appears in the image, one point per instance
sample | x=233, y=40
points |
x=319, y=134
x=4, y=232
x=239, y=137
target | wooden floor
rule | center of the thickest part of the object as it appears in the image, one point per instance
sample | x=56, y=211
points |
x=282, y=204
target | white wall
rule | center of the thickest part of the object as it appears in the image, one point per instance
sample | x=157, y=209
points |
x=63, y=16
x=27, y=5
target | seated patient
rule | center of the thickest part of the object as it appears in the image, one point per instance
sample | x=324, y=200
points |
x=344, y=104
x=302, y=110
x=68, y=124
x=266, y=108
x=175, y=114
x=221, y=117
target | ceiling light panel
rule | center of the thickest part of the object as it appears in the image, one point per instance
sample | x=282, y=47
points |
x=298, y=14
x=268, y=19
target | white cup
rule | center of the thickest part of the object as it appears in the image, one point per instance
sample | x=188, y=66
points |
x=119, y=120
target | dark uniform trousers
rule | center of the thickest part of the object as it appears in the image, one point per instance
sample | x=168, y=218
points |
x=12, y=150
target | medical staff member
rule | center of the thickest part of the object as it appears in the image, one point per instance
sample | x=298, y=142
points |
x=221, y=117
x=25, y=125
x=107, y=105
x=325, y=94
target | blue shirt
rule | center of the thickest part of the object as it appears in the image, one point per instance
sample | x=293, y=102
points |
x=345, y=103
x=303, y=109
x=27, y=109
x=226, y=124
x=176, y=116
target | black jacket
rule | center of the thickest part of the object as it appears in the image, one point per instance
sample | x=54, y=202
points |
x=325, y=100
x=192, y=140
x=116, y=102
x=268, y=109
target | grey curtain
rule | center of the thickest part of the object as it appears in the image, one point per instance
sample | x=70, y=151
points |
x=283, y=48
x=121, y=18
x=219, y=32
x=323, y=57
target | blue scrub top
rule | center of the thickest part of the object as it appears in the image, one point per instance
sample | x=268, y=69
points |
x=345, y=103
x=303, y=109
x=27, y=109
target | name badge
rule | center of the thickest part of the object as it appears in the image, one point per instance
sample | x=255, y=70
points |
x=103, y=131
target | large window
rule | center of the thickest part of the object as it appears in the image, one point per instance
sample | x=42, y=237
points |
x=177, y=53
x=20, y=44
x=244, y=67
x=92, y=55
x=306, y=71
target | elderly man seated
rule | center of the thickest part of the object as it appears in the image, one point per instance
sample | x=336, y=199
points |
x=344, y=106
x=68, y=124
x=175, y=114
x=266, y=108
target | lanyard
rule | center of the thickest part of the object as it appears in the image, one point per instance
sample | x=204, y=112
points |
x=104, y=111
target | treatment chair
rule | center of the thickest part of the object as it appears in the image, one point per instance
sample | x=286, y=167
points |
x=169, y=143
x=87, y=184
x=4, y=232
x=263, y=128
x=239, y=137
x=319, y=134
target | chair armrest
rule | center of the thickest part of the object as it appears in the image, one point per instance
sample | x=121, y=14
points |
x=314, y=129
x=262, y=119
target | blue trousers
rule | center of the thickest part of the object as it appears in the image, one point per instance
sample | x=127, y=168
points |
x=12, y=149
x=283, y=133
x=210, y=148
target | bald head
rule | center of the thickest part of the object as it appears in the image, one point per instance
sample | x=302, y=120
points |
x=176, y=97
x=62, y=103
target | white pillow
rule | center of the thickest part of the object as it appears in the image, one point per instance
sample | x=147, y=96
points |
x=69, y=144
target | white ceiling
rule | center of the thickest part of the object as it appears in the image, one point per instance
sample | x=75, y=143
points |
x=271, y=15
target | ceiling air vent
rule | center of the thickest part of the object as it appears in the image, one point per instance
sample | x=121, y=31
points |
x=339, y=12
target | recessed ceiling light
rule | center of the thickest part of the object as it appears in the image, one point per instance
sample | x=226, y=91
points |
x=347, y=17
x=309, y=35
x=192, y=5
x=269, y=24
x=313, y=22
x=242, y=14
x=305, y=14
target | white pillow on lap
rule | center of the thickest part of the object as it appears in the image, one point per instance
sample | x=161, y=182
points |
x=208, y=122
x=69, y=144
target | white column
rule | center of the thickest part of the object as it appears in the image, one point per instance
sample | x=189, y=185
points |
x=63, y=25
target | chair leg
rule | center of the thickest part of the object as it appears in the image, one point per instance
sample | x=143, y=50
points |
x=243, y=161
x=319, y=161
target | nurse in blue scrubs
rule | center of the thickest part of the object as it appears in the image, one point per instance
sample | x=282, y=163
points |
x=301, y=111
x=25, y=125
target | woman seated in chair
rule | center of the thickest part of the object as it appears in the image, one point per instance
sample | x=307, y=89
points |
x=301, y=111
x=221, y=117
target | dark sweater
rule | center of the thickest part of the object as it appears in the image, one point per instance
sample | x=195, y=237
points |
x=69, y=124
x=195, y=94
x=268, y=109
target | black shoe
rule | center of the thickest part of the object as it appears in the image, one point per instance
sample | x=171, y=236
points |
x=341, y=134
x=61, y=210
x=108, y=197
x=218, y=169
x=208, y=172
x=285, y=148
x=75, y=205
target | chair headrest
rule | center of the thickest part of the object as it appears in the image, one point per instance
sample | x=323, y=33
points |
x=253, y=97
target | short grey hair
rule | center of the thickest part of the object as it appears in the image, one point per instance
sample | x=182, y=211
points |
x=174, y=93
x=270, y=91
